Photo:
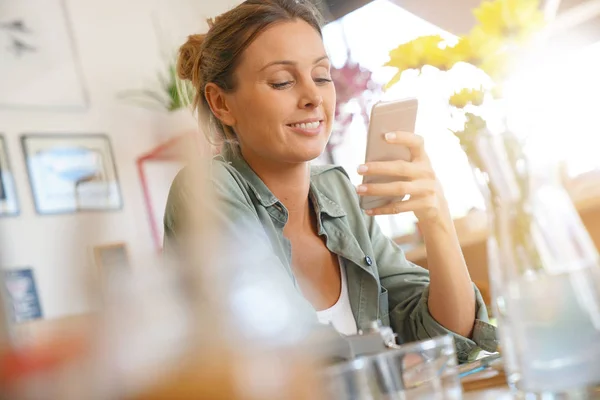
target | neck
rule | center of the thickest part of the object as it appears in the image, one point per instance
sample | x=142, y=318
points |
x=289, y=182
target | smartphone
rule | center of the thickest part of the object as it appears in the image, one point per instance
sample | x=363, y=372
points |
x=388, y=116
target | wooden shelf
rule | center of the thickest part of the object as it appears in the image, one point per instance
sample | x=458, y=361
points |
x=472, y=229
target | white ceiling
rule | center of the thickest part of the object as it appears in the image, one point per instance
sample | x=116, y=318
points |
x=454, y=16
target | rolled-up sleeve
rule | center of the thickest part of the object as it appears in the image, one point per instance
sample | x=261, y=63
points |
x=408, y=292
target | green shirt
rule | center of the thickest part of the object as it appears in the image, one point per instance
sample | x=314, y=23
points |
x=382, y=283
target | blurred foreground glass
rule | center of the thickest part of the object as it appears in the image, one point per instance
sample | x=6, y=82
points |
x=240, y=335
x=413, y=371
x=543, y=268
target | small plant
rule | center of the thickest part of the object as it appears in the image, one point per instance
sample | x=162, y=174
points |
x=171, y=93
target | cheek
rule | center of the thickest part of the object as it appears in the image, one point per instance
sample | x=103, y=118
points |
x=329, y=100
x=260, y=114
x=266, y=103
x=247, y=109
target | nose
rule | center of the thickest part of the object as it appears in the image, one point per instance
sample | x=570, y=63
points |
x=310, y=97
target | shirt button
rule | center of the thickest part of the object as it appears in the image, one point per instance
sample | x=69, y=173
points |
x=368, y=261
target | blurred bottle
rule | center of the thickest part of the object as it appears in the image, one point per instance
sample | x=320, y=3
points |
x=544, y=270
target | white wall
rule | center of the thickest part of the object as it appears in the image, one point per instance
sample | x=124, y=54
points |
x=117, y=50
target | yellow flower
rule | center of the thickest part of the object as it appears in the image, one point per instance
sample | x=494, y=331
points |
x=458, y=100
x=490, y=16
x=414, y=55
x=475, y=46
x=462, y=51
x=404, y=57
x=441, y=59
x=502, y=27
x=467, y=96
x=484, y=51
x=515, y=19
x=432, y=53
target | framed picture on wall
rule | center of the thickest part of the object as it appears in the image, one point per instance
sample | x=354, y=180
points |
x=22, y=295
x=40, y=68
x=111, y=259
x=9, y=203
x=71, y=172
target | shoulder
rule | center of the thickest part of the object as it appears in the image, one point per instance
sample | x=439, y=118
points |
x=223, y=174
x=230, y=185
x=221, y=177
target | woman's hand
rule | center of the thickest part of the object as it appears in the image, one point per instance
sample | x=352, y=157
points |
x=451, y=299
x=418, y=181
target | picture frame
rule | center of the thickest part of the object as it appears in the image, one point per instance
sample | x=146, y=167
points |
x=111, y=259
x=21, y=294
x=9, y=200
x=71, y=173
x=37, y=47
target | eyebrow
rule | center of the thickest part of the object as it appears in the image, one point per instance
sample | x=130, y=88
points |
x=287, y=62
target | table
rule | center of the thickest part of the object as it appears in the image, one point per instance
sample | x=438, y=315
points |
x=489, y=394
x=486, y=385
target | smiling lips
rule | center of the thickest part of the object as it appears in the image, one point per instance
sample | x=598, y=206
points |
x=308, y=127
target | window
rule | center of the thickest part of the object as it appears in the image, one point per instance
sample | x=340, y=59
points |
x=555, y=104
x=369, y=33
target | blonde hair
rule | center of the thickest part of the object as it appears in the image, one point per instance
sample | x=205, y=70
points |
x=214, y=56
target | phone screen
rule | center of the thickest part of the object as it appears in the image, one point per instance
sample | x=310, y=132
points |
x=398, y=115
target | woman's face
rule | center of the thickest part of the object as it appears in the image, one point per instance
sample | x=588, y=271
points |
x=284, y=102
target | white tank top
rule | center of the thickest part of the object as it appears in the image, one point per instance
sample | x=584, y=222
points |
x=340, y=314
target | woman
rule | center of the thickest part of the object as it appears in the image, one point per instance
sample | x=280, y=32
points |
x=263, y=81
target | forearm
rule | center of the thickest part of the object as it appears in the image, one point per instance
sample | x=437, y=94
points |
x=451, y=295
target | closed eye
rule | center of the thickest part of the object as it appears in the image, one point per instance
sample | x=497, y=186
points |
x=323, y=81
x=280, y=85
x=286, y=84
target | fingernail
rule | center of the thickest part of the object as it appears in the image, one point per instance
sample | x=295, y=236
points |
x=390, y=136
x=369, y=212
x=362, y=169
x=361, y=189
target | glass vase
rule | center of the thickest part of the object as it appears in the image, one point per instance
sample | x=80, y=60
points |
x=544, y=272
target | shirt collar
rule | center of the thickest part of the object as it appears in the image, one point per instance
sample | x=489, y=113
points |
x=264, y=195
x=324, y=204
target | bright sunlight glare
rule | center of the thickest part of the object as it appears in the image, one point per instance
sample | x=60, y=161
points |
x=555, y=106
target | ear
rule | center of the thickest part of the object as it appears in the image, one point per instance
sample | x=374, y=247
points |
x=217, y=101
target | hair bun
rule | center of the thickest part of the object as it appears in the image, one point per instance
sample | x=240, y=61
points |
x=189, y=57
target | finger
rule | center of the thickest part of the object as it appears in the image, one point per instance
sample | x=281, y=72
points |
x=413, y=204
x=401, y=168
x=414, y=142
x=420, y=187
